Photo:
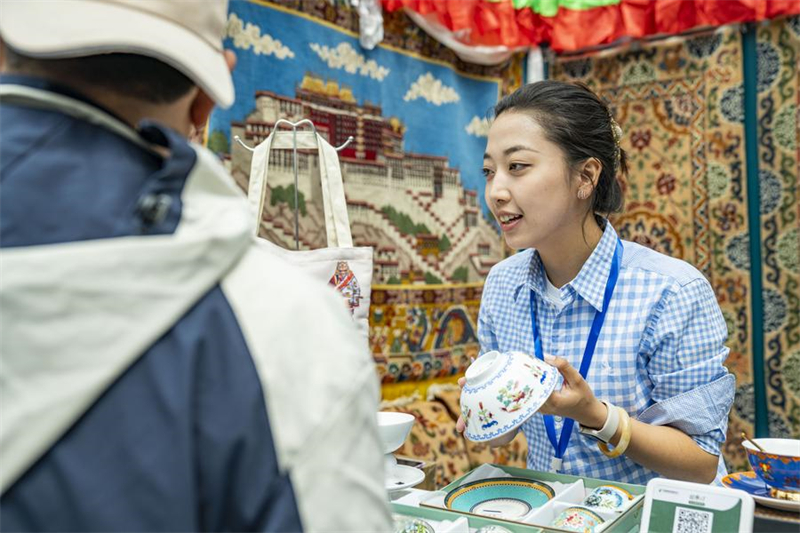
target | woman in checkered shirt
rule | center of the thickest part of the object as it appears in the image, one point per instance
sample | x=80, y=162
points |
x=656, y=396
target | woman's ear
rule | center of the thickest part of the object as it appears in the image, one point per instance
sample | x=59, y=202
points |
x=589, y=176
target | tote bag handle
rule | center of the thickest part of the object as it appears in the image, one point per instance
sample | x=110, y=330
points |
x=337, y=222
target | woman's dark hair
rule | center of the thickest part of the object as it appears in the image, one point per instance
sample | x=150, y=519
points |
x=580, y=123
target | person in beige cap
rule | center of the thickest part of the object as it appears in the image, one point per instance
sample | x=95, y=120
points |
x=158, y=371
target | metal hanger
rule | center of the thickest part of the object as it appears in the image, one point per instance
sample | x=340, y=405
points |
x=294, y=126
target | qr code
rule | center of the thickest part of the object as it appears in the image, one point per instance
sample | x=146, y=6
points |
x=692, y=521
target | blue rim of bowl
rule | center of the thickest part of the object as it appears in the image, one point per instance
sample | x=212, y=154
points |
x=467, y=388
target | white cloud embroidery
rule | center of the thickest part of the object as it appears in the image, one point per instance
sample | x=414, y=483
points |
x=246, y=36
x=432, y=90
x=345, y=57
x=479, y=127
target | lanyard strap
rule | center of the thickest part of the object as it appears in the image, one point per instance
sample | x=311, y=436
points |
x=560, y=445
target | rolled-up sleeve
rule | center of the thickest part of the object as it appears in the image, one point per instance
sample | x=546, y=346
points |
x=692, y=389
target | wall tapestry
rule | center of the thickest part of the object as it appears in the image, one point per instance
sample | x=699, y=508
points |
x=421, y=333
x=679, y=103
x=412, y=174
x=778, y=47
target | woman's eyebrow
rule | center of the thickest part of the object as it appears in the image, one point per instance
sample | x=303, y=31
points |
x=518, y=148
x=512, y=149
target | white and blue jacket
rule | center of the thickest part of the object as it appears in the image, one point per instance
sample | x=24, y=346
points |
x=159, y=372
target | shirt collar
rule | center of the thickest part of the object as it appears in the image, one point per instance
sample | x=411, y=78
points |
x=590, y=283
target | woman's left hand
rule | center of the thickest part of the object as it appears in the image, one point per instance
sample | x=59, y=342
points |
x=575, y=399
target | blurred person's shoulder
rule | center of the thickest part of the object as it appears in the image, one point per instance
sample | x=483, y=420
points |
x=293, y=306
x=309, y=354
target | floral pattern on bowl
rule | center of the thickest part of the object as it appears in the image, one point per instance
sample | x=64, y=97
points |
x=502, y=391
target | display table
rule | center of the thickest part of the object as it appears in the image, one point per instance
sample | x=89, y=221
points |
x=515, y=512
x=427, y=505
x=766, y=520
x=429, y=483
x=773, y=520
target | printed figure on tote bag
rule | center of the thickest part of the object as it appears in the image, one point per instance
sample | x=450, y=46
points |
x=344, y=280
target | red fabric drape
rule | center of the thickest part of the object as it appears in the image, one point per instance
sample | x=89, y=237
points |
x=492, y=23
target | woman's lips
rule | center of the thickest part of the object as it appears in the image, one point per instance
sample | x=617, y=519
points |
x=510, y=224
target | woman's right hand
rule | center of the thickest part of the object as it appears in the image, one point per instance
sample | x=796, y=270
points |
x=499, y=441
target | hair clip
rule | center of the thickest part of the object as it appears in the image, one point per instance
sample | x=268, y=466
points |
x=616, y=133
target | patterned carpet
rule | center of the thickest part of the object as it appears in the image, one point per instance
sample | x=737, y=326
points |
x=420, y=333
x=680, y=105
x=778, y=46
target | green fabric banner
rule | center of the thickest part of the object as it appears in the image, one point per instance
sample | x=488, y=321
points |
x=549, y=8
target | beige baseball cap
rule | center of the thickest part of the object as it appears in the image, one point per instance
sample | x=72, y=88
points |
x=185, y=34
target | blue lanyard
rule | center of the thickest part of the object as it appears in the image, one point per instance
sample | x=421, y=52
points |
x=560, y=445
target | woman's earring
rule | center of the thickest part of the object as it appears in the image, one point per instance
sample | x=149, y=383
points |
x=582, y=195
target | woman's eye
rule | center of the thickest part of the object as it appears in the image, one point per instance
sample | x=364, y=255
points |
x=516, y=167
x=488, y=173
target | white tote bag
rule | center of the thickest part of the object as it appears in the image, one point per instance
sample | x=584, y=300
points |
x=346, y=268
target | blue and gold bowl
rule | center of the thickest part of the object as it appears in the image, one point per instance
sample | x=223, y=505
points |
x=508, y=498
x=779, y=467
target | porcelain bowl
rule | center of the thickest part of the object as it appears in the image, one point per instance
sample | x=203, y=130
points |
x=502, y=391
x=578, y=519
x=393, y=429
x=507, y=498
x=779, y=467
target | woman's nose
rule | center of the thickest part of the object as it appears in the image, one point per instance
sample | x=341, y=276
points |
x=498, y=193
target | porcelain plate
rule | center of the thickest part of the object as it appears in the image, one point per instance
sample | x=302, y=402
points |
x=751, y=484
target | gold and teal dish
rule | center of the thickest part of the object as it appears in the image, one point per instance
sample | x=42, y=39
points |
x=506, y=498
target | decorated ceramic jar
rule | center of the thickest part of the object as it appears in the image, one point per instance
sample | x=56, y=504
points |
x=502, y=391
x=408, y=524
x=779, y=467
x=608, y=498
x=578, y=519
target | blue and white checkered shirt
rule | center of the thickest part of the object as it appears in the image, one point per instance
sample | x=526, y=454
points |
x=660, y=353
